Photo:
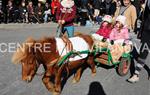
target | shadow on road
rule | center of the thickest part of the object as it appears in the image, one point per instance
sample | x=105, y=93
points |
x=148, y=70
x=96, y=89
x=135, y=56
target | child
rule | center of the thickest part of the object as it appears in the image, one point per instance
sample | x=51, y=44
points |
x=47, y=12
x=120, y=30
x=119, y=38
x=102, y=35
x=105, y=27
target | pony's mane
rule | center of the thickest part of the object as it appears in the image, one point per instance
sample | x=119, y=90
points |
x=22, y=52
x=46, y=39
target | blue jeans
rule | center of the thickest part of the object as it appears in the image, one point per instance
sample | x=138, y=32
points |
x=45, y=17
x=68, y=29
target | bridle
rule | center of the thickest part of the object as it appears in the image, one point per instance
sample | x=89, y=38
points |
x=37, y=65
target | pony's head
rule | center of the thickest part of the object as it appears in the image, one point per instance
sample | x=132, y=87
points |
x=25, y=55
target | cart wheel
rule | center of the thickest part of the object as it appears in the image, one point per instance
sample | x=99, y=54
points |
x=123, y=67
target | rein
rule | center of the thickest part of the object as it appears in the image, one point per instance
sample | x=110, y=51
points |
x=59, y=58
x=68, y=46
x=60, y=26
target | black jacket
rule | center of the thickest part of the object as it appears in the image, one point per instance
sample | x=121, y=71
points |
x=108, y=8
x=97, y=4
x=146, y=25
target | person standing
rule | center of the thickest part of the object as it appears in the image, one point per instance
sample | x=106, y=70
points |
x=10, y=11
x=65, y=16
x=54, y=5
x=145, y=44
x=31, y=13
x=110, y=7
x=1, y=12
x=129, y=11
x=96, y=5
x=47, y=12
x=23, y=12
x=39, y=12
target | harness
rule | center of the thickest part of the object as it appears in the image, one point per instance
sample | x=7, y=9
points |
x=68, y=46
x=59, y=60
x=52, y=63
x=68, y=43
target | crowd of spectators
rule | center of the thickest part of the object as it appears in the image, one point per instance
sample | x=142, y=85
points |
x=28, y=13
x=92, y=10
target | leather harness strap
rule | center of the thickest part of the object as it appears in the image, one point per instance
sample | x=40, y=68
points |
x=68, y=46
x=68, y=43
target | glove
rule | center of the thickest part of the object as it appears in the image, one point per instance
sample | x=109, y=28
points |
x=112, y=42
x=123, y=44
x=104, y=40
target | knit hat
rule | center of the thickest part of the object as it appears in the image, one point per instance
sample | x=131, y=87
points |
x=121, y=19
x=42, y=1
x=107, y=18
x=67, y=4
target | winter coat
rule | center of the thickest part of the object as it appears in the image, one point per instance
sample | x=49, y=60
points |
x=30, y=10
x=67, y=14
x=123, y=34
x=55, y=4
x=130, y=14
x=104, y=31
x=146, y=26
x=109, y=8
x=97, y=4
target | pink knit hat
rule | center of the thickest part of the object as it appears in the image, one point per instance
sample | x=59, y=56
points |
x=107, y=18
x=121, y=19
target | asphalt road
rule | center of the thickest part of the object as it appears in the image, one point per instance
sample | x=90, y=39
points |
x=106, y=81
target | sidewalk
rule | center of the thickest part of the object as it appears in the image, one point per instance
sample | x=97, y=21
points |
x=25, y=25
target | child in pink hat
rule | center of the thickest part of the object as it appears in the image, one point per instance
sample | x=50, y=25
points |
x=105, y=27
x=120, y=30
x=101, y=37
x=119, y=38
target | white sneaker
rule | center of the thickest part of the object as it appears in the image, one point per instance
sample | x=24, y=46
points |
x=133, y=79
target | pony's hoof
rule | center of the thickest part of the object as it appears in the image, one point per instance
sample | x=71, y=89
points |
x=93, y=74
x=50, y=90
x=56, y=93
x=74, y=81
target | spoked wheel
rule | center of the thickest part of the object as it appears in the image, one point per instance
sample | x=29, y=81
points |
x=123, y=67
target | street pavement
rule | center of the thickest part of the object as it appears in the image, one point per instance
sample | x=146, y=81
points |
x=106, y=81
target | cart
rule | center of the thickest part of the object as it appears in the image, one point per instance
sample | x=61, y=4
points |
x=103, y=56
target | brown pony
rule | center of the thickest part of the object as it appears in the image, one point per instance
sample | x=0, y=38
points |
x=30, y=57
